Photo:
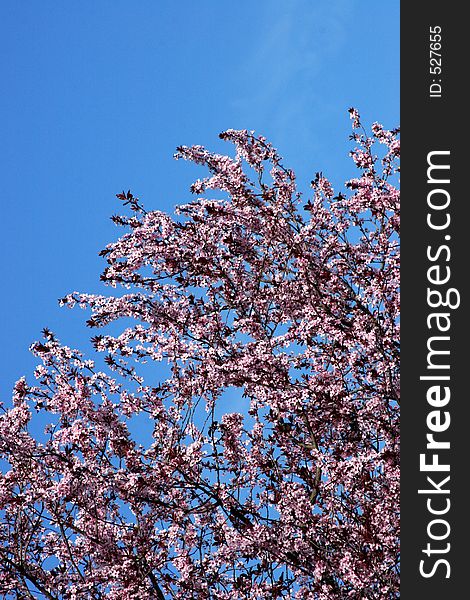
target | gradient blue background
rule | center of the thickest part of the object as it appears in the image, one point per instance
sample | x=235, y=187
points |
x=97, y=94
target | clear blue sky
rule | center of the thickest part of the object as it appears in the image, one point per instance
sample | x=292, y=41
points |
x=97, y=94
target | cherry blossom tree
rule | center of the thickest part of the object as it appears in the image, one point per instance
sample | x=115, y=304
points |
x=251, y=297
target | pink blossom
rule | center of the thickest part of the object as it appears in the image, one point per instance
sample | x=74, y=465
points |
x=286, y=487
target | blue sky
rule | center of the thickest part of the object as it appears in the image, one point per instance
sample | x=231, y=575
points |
x=98, y=94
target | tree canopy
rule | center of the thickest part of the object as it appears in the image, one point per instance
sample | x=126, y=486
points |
x=253, y=297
